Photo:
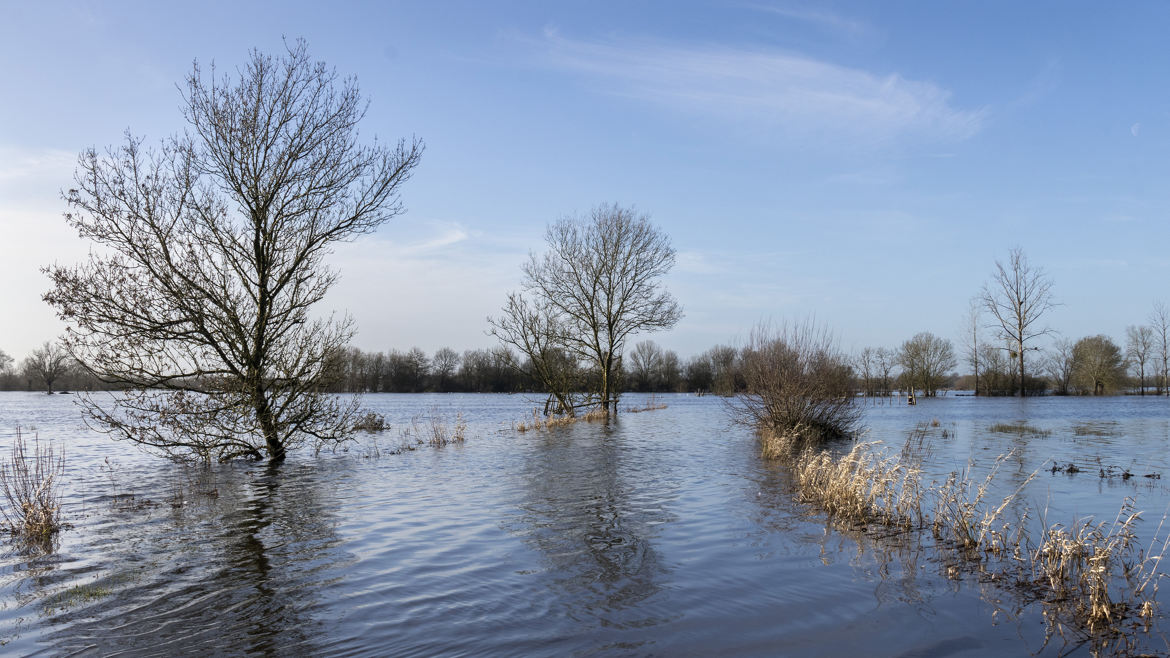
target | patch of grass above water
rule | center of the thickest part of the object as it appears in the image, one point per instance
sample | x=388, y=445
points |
x=1019, y=428
x=1108, y=428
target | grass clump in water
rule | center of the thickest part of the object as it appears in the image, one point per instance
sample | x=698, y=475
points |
x=1019, y=428
x=1081, y=562
x=539, y=422
x=1091, y=574
x=370, y=422
x=652, y=404
x=29, y=483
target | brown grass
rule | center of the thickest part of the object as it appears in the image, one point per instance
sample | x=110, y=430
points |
x=1019, y=428
x=652, y=404
x=1072, y=570
x=370, y=422
x=546, y=423
x=29, y=483
x=433, y=429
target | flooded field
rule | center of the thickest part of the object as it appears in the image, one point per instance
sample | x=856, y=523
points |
x=663, y=533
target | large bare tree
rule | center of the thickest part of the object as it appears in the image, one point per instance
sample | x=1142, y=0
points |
x=1017, y=296
x=212, y=255
x=598, y=284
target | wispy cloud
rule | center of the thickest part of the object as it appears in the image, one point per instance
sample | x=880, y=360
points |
x=793, y=92
x=819, y=17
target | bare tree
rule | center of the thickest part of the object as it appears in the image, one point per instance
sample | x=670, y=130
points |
x=886, y=360
x=213, y=253
x=646, y=361
x=600, y=283
x=925, y=359
x=1160, y=323
x=1017, y=296
x=5, y=363
x=865, y=363
x=532, y=327
x=1139, y=349
x=971, y=325
x=669, y=371
x=48, y=363
x=1059, y=363
x=443, y=365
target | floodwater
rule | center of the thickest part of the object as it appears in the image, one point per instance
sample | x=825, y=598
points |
x=663, y=533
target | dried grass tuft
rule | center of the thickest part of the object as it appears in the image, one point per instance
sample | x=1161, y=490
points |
x=29, y=483
x=539, y=422
x=1091, y=573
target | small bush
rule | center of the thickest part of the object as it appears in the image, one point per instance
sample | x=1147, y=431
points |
x=29, y=483
x=797, y=386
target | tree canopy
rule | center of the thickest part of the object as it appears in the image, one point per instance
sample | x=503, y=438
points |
x=212, y=256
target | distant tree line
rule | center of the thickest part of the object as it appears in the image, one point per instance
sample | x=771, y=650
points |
x=646, y=368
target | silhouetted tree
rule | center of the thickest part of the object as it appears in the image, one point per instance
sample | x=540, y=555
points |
x=443, y=366
x=47, y=364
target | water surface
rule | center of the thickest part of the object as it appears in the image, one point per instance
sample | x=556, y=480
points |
x=662, y=533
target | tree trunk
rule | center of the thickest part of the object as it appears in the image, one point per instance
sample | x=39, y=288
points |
x=1021, y=369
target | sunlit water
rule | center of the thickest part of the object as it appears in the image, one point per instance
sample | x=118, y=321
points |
x=661, y=534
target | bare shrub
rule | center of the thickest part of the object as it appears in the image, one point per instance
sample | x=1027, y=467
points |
x=797, y=385
x=370, y=422
x=432, y=430
x=29, y=483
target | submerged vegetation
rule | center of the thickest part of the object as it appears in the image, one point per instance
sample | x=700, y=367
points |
x=541, y=422
x=30, y=482
x=1019, y=428
x=1092, y=573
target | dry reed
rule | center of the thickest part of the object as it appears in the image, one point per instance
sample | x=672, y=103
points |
x=652, y=404
x=29, y=483
x=431, y=430
x=1070, y=569
x=540, y=422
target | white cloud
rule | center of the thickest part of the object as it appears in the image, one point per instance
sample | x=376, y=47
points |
x=791, y=91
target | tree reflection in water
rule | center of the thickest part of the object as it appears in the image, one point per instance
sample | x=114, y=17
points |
x=594, y=520
x=235, y=564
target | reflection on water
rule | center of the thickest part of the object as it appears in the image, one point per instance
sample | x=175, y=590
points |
x=591, y=513
x=232, y=560
x=660, y=534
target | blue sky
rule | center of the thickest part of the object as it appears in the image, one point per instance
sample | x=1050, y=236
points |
x=862, y=163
